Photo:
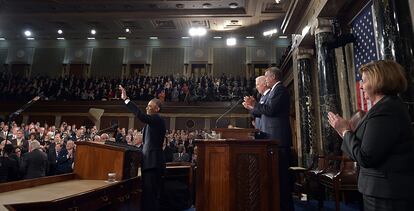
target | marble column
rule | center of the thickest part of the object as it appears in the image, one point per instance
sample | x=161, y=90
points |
x=329, y=99
x=394, y=33
x=306, y=107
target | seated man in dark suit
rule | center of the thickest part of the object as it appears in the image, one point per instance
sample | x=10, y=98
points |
x=65, y=159
x=181, y=155
x=34, y=164
x=20, y=142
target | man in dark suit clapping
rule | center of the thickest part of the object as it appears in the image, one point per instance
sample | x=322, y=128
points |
x=34, y=164
x=274, y=122
x=153, y=163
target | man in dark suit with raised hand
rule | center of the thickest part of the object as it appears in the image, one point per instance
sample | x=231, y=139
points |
x=274, y=122
x=153, y=164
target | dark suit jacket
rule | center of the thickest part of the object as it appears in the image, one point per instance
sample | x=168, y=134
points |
x=34, y=164
x=24, y=145
x=153, y=137
x=274, y=115
x=383, y=146
x=257, y=116
x=64, y=164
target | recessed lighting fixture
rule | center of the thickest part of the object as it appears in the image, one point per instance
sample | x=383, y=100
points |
x=2, y=38
x=231, y=41
x=233, y=5
x=249, y=37
x=60, y=38
x=153, y=38
x=91, y=38
x=127, y=30
x=30, y=38
x=206, y=5
x=185, y=37
x=217, y=37
x=27, y=33
x=60, y=31
x=121, y=38
x=305, y=30
x=197, y=31
x=270, y=32
x=283, y=37
x=93, y=31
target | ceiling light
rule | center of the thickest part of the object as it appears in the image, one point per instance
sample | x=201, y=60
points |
x=197, y=31
x=121, y=38
x=277, y=1
x=217, y=37
x=2, y=38
x=30, y=38
x=249, y=37
x=231, y=41
x=153, y=38
x=91, y=38
x=93, y=31
x=270, y=32
x=127, y=30
x=60, y=38
x=206, y=5
x=305, y=30
x=185, y=37
x=60, y=31
x=27, y=33
x=233, y=5
x=283, y=37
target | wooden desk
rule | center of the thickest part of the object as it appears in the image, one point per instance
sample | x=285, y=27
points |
x=86, y=189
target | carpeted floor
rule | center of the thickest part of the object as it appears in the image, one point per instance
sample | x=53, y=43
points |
x=312, y=205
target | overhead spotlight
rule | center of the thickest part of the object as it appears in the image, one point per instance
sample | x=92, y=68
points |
x=153, y=38
x=270, y=32
x=121, y=38
x=27, y=33
x=249, y=37
x=197, y=31
x=231, y=41
x=30, y=38
x=217, y=37
x=2, y=38
x=233, y=5
x=91, y=38
x=277, y=1
x=60, y=31
x=127, y=30
x=185, y=37
x=93, y=31
x=60, y=38
x=305, y=30
x=283, y=37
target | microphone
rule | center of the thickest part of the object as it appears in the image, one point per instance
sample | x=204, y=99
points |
x=230, y=109
x=113, y=127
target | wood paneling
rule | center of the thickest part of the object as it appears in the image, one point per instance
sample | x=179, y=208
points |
x=50, y=120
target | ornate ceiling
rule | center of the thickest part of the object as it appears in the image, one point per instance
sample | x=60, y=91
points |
x=165, y=19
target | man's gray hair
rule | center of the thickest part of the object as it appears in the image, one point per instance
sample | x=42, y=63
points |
x=261, y=79
x=34, y=145
x=275, y=71
x=157, y=102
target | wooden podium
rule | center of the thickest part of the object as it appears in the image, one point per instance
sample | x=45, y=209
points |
x=237, y=175
x=236, y=133
x=85, y=189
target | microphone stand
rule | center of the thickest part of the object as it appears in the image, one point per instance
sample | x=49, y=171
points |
x=18, y=112
x=228, y=111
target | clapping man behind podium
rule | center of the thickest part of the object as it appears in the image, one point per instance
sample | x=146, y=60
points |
x=153, y=163
x=274, y=122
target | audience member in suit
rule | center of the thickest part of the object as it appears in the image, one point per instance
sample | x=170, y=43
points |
x=168, y=152
x=274, y=122
x=20, y=142
x=9, y=167
x=52, y=154
x=153, y=164
x=383, y=142
x=34, y=164
x=65, y=159
x=181, y=155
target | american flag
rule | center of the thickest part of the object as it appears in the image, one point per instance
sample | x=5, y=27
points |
x=365, y=49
